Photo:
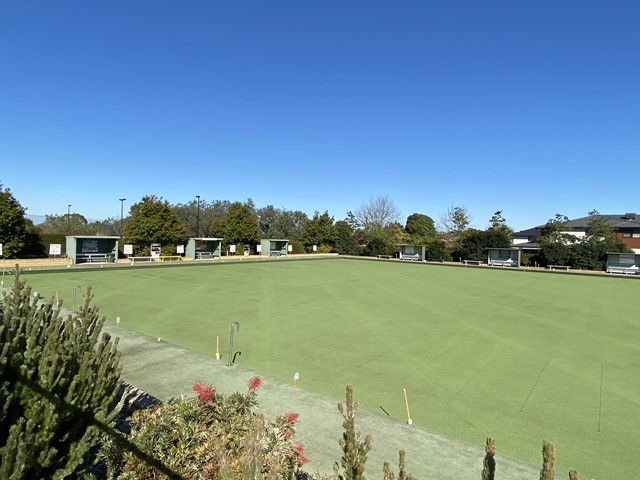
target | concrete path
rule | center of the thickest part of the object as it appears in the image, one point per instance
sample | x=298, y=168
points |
x=165, y=371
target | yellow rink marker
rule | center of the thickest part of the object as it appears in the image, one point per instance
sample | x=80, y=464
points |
x=406, y=403
x=217, y=347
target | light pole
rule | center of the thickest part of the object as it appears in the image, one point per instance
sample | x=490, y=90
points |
x=121, y=212
x=68, y=211
x=198, y=218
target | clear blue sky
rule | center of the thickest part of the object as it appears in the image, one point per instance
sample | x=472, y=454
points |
x=529, y=107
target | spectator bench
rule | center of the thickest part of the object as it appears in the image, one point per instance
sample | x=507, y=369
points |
x=623, y=269
x=92, y=257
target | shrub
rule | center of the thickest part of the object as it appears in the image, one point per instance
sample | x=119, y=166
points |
x=58, y=382
x=213, y=436
x=296, y=247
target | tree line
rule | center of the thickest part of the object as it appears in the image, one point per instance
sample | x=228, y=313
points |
x=372, y=229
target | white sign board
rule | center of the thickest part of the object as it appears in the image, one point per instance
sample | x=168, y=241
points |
x=127, y=249
x=232, y=248
x=55, y=249
x=315, y=248
x=289, y=248
x=259, y=248
x=1, y=250
x=180, y=249
x=156, y=248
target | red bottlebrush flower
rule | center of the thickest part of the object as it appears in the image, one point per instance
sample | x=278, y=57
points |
x=302, y=460
x=205, y=392
x=291, y=417
x=287, y=434
x=298, y=448
x=254, y=383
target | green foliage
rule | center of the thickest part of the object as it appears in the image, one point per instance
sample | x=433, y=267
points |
x=573, y=475
x=354, y=450
x=345, y=243
x=474, y=243
x=590, y=253
x=379, y=246
x=489, y=463
x=454, y=223
x=297, y=247
x=498, y=222
x=197, y=222
x=153, y=221
x=555, y=241
x=420, y=226
x=56, y=238
x=547, y=472
x=213, y=436
x=58, y=382
x=239, y=226
x=13, y=224
x=318, y=231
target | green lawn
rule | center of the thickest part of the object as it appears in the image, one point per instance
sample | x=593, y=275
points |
x=516, y=355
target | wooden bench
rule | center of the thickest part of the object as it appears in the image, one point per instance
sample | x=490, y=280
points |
x=558, y=267
x=473, y=262
x=204, y=255
x=92, y=257
x=623, y=269
x=275, y=253
x=384, y=256
x=140, y=259
x=413, y=258
x=170, y=258
x=435, y=259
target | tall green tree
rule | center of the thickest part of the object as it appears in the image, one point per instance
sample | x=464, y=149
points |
x=454, y=223
x=198, y=221
x=420, y=226
x=474, y=243
x=153, y=221
x=288, y=224
x=239, y=225
x=319, y=231
x=590, y=252
x=58, y=384
x=345, y=243
x=556, y=241
x=14, y=226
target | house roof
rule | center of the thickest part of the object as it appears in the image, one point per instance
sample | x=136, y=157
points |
x=619, y=221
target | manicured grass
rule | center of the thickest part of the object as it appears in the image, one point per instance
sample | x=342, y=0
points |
x=516, y=355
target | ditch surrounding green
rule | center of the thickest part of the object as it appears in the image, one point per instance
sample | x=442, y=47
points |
x=517, y=355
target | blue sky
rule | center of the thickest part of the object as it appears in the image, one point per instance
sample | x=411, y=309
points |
x=529, y=107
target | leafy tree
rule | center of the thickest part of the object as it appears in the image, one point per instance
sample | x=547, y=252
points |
x=498, y=222
x=555, y=241
x=58, y=382
x=345, y=243
x=13, y=224
x=375, y=214
x=590, y=252
x=420, y=226
x=454, y=222
x=288, y=224
x=320, y=230
x=67, y=224
x=379, y=246
x=397, y=234
x=153, y=221
x=187, y=214
x=239, y=225
x=475, y=243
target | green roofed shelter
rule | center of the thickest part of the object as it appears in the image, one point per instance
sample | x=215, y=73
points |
x=504, y=257
x=274, y=247
x=203, y=248
x=411, y=252
x=92, y=248
x=626, y=263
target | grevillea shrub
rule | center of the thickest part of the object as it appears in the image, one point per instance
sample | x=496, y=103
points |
x=213, y=436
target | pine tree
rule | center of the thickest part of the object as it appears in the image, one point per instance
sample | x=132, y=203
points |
x=354, y=450
x=58, y=383
x=548, y=461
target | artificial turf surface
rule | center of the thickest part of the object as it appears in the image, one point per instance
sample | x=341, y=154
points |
x=516, y=355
